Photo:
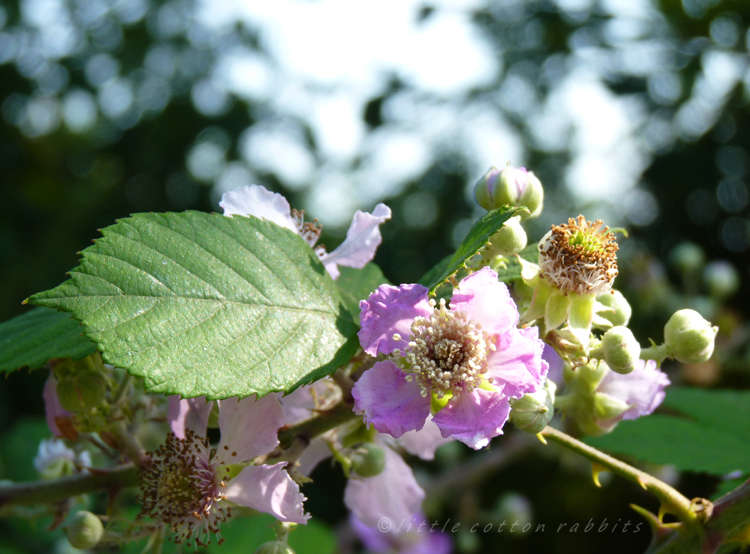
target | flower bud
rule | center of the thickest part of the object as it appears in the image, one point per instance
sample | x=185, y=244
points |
x=687, y=257
x=84, y=531
x=533, y=411
x=274, y=547
x=510, y=239
x=81, y=391
x=621, y=350
x=689, y=338
x=514, y=186
x=620, y=309
x=721, y=278
x=368, y=460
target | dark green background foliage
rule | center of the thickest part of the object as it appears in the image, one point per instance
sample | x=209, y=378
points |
x=58, y=189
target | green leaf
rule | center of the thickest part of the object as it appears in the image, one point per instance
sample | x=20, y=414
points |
x=31, y=339
x=358, y=284
x=708, y=432
x=479, y=235
x=205, y=304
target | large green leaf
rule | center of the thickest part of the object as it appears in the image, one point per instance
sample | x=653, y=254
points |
x=479, y=235
x=708, y=432
x=41, y=334
x=358, y=284
x=205, y=304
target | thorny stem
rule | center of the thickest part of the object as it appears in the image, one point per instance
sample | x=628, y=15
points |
x=672, y=500
x=53, y=491
x=127, y=443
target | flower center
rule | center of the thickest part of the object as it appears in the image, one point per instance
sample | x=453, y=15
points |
x=579, y=256
x=181, y=487
x=309, y=231
x=447, y=352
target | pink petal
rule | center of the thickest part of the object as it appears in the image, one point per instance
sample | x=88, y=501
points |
x=486, y=301
x=52, y=407
x=423, y=443
x=517, y=366
x=390, y=402
x=362, y=239
x=391, y=310
x=642, y=388
x=188, y=413
x=474, y=418
x=268, y=489
x=394, y=494
x=259, y=202
x=249, y=427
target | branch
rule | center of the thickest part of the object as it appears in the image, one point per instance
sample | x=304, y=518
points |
x=38, y=492
x=318, y=424
x=670, y=498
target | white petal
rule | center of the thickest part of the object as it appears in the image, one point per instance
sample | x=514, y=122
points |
x=362, y=239
x=257, y=201
x=188, y=413
x=268, y=489
x=249, y=427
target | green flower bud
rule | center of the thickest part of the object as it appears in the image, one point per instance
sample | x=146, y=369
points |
x=721, y=278
x=687, y=257
x=620, y=309
x=513, y=186
x=274, y=547
x=81, y=391
x=689, y=338
x=84, y=531
x=532, y=412
x=368, y=460
x=510, y=239
x=620, y=349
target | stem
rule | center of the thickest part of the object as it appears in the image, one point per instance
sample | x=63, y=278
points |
x=672, y=500
x=128, y=444
x=60, y=489
x=658, y=353
x=318, y=424
x=121, y=389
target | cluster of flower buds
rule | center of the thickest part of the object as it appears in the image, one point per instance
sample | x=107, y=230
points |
x=568, y=295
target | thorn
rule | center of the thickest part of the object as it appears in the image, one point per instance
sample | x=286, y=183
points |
x=541, y=439
x=596, y=469
x=642, y=483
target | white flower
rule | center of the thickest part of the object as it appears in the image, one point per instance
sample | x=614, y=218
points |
x=362, y=239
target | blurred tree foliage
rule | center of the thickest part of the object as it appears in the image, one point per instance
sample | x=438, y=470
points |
x=104, y=118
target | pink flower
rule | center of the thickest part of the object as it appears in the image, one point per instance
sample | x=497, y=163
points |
x=362, y=239
x=186, y=485
x=462, y=363
x=640, y=392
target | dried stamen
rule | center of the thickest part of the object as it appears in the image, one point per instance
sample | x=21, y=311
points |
x=181, y=487
x=579, y=256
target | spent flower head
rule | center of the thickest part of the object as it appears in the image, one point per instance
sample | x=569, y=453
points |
x=579, y=256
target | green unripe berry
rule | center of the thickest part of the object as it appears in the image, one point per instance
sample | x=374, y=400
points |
x=274, y=547
x=84, y=531
x=689, y=338
x=81, y=391
x=687, y=257
x=721, y=278
x=532, y=412
x=615, y=300
x=510, y=238
x=621, y=350
x=368, y=460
